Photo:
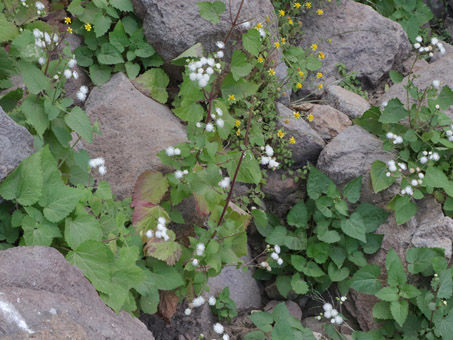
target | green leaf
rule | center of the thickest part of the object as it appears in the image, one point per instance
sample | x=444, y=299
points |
x=393, y=112
x=125, y=271
x=313, y=63
x=408, y=291
x=81, y=228
x=38, y=231
x=445, y=290
x=144, y=51
x=370, y=121
x=262, y=320
x=168, y=251
x=298, y=215
x=118, y=37
x=79, y=122
x=93, y=258
x=420, y=259
x=283, y=285
x=255, y=335
x=352, y=190
x=372, y=216
x=251, y=41
x=211, y=11
x=9, y=101
x=445, y=99
x=239, y=65
x=59, y=201
x=396, y=77
x=132, y=69
x=444, y=326
x=354, y=227
x=240, y=89
x=404, y=209
x=436, y=178
x=249, y=172
x=166, y=277
x=381, y=310
x=109, y=55
x=337, y=274
x=259, y=218
x=100, y=74
x=298, y=285
x=25, y=183
x=317, y=183
x=154, y=83
x=101, y=25
x=396, y=276
x=318, y=251
x=35, y=115
x=365, y=280
x=122, y=5
x=379, y=179
x=388, y=294
x=313, y=270
x=8, y=31
x=150, y=186
x=34, y=79
x=191, y=113
x=399, y=310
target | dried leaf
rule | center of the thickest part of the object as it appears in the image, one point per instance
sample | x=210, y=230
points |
x=167, y=305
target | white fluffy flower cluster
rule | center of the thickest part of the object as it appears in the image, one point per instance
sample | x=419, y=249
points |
x=331, y=313
x=39, y=7
x=436, y=83
x=180, y=174
x=341, y=300
x=43, y=40
x=98, y=162
x=82, y=93
x=225, y=183
x=161, y=231
x=267, y=159
x=275, y=255
x=24, y=3
x=218, y=328
x=200, y=249
x=396, y=139
x=430, y=48
x=449, y=134
x=171, y=151
x=429, y=156
x=202, y=70
x=266, y=266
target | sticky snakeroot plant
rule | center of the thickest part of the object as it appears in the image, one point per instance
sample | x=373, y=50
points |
x=420, y=136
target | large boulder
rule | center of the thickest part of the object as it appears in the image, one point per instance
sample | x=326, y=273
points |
x=172, y=26
x=350, y=103
x=42, y=296
x=308, y=142
x=16, y=143
x=134, y=129
x=328, y=122
x=356, y=35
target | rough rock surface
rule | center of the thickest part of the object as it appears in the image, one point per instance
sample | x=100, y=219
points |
x=308, y=142
x=350, y=154
x=173, y=26
x=53, y=299
x=134, y=129
x=441, y=70
x=361, y=38
x=16, y=143
x=350, y=103
x=328, y=122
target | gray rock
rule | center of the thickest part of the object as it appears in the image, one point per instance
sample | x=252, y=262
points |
x=47, y=293
x=16, y=143
x=441, y=70
x=134, y=129
x=350, y=154
x=244, y=289
x=308, y=142
x=361, y=38
x=350, y=103
x=328, y=122
x=173, y=26
x=448, y=47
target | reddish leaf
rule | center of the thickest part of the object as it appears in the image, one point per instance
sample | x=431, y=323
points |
x=168, y=251
x=151, y=186
x=201, y=205
x=145, y=218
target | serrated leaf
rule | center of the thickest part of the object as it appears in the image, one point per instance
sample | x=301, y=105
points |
x=352, y=190
x=445, y=290
x=252, y=42
x=317, y=183
x=372, y=216
x=337, y=274
x=101, y=24
x=396, y=77
x=298, y=215
x=8, y=31
x=365, y=280
x=255, y=335
x=109, y=55
x=150, y=186
x=298, y=285
x=100, y=74
x=93, y=258
x=154, y=83
x=34, y=79
x=445, y=99
x=78, y=121
x=167, y=251
x=354, y=227
x=166, y=277
x=191, y=113
x=132, y=70
x=393, y=112
x=379, y=179
x=381, y=310
x=262, y=320
x=35, y=115
x=399, y=310
x=239, y=65
x=283, y=285
x=444, y=326
x=211, y=11
x=249, y=171
x=122, y=5
x=81, y=228
x=59, y=201
x=38, y=231
x=25, y=183
x=240, y=88
x=436, y=178
x=388, y=294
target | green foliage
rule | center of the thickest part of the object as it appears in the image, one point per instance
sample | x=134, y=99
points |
x=211, y=11
x=349, y=81
x=225, y=307
x=325, y=240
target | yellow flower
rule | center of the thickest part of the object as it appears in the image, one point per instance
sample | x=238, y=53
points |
x=314, y=47
x=319, y=75
x=260, y=59
x=320, y=12
x=69, y=30
x=258, y=26
x=271, y=72
x=299, y=85
x=67, y=20
x=290, y=21
x=280, y=134
x=237, y=123
x=296, y=114
x=329, y=41
x=310, y=117
x=301, y=74
x=300, y=23
x=321, y=55
x=292, y=140
x=268, y=19
x=238, y=132
x=320, y=86
x=282, y=12
x=308, y=4
x=231, y=97
x=287, y=121
x=297, y=5
x=88, y=27
x=283, y=40
x=277, y=44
